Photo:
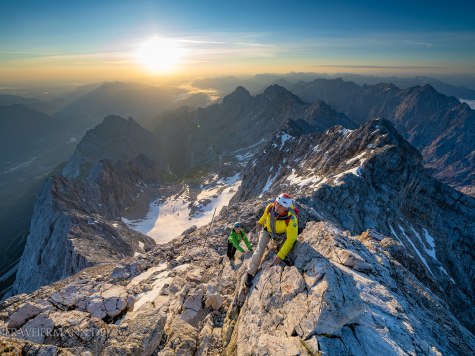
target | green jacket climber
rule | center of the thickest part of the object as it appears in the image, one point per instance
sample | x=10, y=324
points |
x=236, y=238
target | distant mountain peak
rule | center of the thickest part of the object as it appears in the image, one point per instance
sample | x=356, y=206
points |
x=273, y=91
x=237, y=95
x=112, y=120
x=240, y=91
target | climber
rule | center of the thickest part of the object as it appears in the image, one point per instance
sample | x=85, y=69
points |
x=235, y=237
x=281, y=225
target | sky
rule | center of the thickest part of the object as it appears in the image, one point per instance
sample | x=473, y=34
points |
x=87, y=41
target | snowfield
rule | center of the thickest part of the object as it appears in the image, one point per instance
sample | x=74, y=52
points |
x=169, y=216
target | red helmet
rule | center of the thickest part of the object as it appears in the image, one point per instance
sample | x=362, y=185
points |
x=285, y=200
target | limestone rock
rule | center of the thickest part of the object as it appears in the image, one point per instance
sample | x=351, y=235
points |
x=214, y=301
x=182, y=339
x=27, y=311
x=36, y=329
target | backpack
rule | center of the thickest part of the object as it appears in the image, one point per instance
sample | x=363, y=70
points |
x=293, y=210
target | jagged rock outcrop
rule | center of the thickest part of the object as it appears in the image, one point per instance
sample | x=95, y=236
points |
x=441, y=127
x=189, y=138
x=370, y=178
x=76, y=223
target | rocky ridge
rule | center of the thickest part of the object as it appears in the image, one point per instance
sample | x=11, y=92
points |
x=349, y=286
x=371, y=178
x=441, y=127
x=76, y=223
x=114, y=139
x=189, y=138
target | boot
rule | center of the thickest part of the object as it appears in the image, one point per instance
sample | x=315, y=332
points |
x=248, y=280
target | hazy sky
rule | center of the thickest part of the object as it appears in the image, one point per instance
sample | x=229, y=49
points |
x=127, y=39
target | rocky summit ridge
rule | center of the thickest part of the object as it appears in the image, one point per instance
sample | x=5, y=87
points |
x=441, y=127
x=371, y=178
x=383, y=264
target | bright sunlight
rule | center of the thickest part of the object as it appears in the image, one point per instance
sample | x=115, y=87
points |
x=160, y=55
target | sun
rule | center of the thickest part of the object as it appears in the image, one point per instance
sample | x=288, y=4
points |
x=160, y=55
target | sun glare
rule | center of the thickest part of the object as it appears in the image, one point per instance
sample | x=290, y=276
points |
x=160, y=55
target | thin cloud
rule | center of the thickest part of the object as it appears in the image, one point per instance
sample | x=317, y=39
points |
x=253, y=44
x=201, y=42
x=374, y=66
x=29, y=52
x=424, y=44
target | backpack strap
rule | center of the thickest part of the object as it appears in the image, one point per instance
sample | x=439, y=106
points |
x=287, y=217
x=272, y=221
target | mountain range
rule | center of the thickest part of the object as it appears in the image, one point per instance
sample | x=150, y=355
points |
x=192, y=137
x=258, y=82
x=383, y=262
x=441, y=127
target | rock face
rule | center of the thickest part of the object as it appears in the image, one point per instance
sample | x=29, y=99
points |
x=338, y=293
x=377, y=268
x=370, y=178
x=441, y=127
x=189, y=138
x=322, y=303
x=76, y=223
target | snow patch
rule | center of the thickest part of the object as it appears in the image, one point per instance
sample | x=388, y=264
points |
x=147, y=274
x=359, y=157
x=356, y=171
x=294, y=179
x=415, y=249
x=470, y=103
x=230, y=180
x=345, y=131
x=268, y=185
x=431, y=242
x=154, y=293
x=396, y=236
x=167, y=219
x=285, y=137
